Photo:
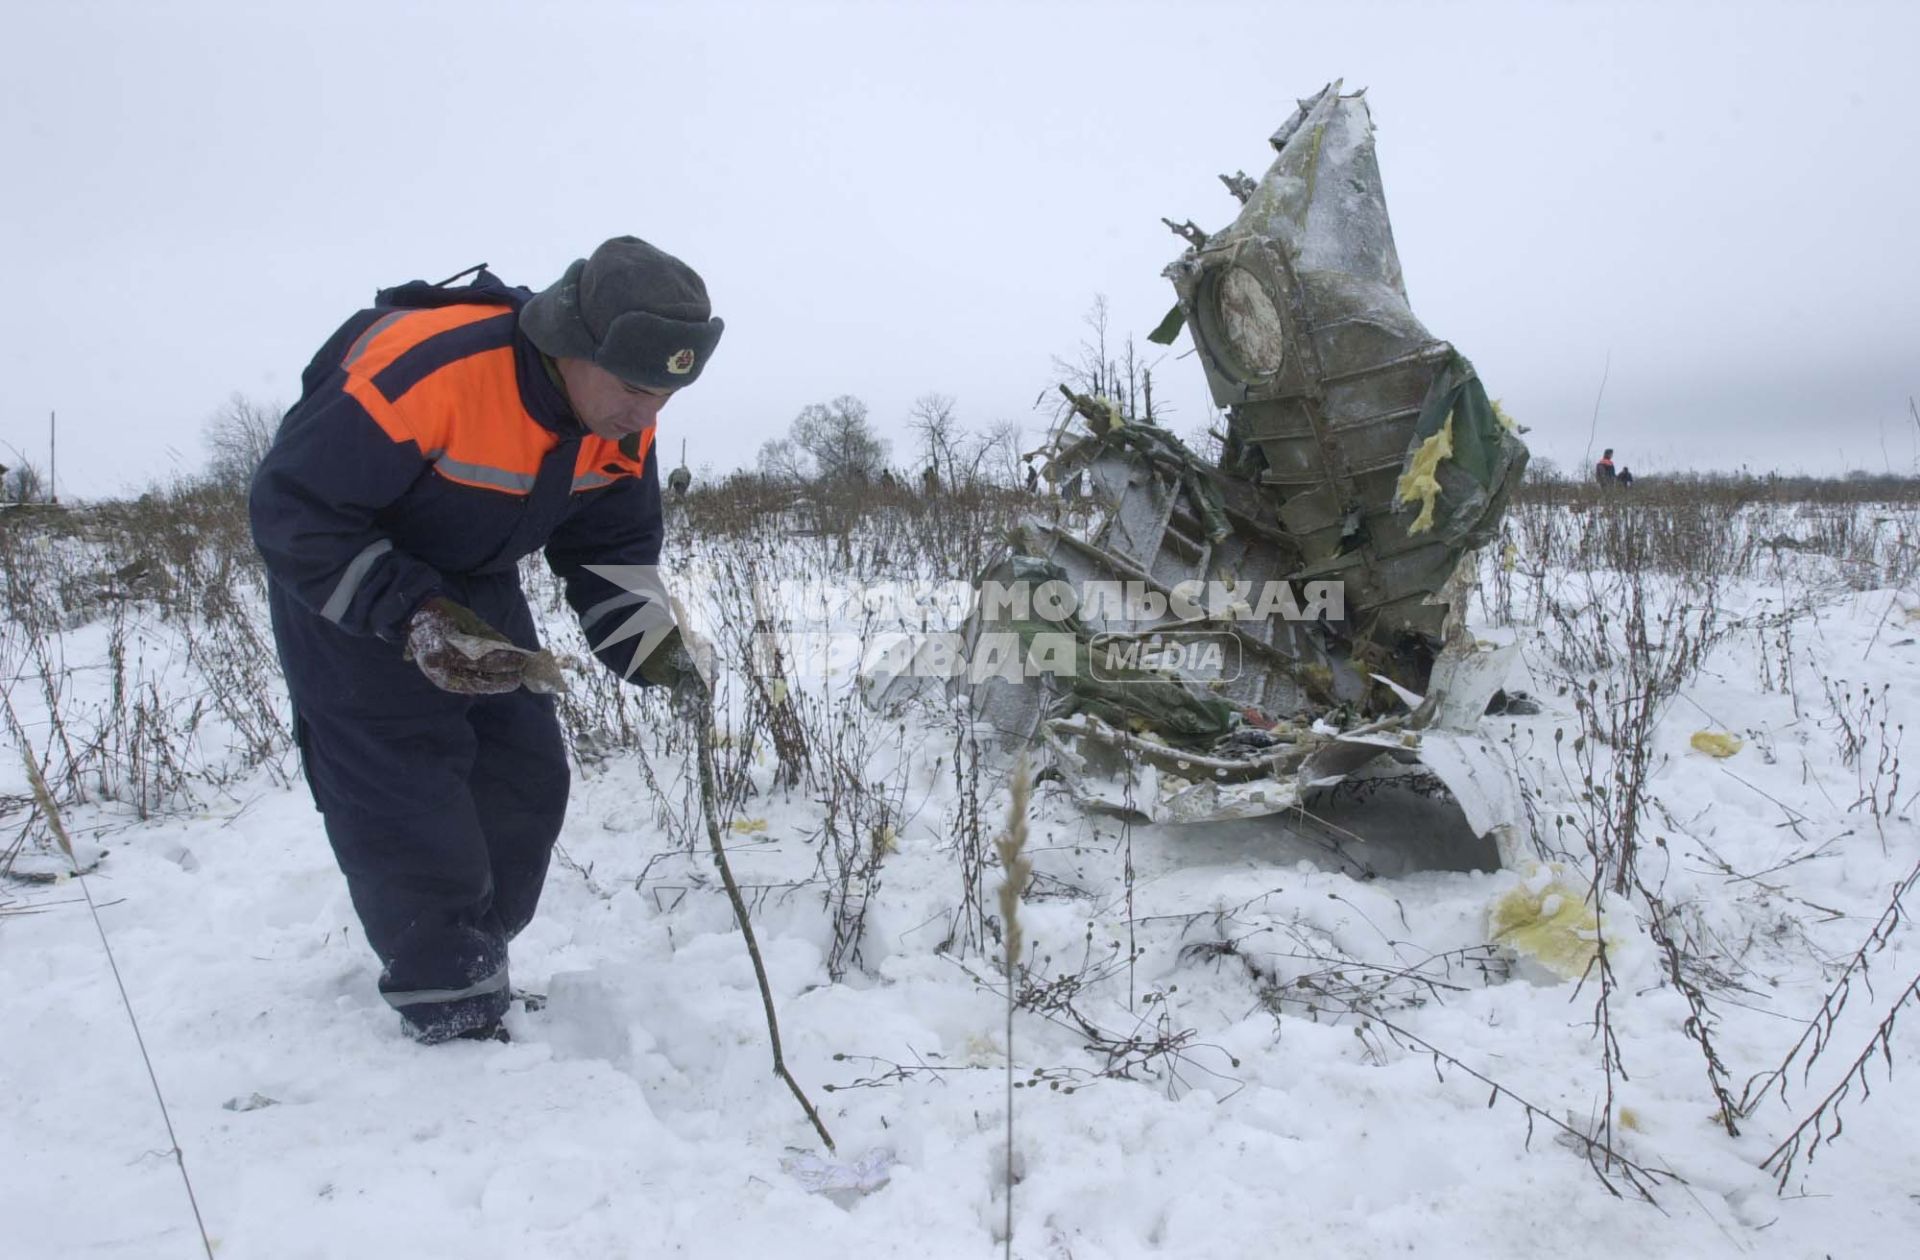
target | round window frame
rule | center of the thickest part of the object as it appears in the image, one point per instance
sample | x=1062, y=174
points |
x=1212, y=324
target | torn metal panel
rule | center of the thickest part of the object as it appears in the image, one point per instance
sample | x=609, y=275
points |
x=1361, y=452
x=1300, y=315
x=1116, y=772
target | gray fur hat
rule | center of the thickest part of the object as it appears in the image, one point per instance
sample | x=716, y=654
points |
x=636, y=311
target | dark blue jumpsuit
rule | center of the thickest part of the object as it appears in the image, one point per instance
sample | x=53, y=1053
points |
x=429, y=452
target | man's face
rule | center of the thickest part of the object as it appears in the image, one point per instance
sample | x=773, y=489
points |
x=605, y=404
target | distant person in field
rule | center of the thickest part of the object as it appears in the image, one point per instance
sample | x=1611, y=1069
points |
x=1603, y=471
x=443, y=435
x=1626, y=478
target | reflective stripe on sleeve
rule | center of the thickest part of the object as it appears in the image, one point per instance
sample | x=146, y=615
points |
x=356, y=573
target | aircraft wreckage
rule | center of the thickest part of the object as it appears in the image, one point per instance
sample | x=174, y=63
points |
x=1202, y=640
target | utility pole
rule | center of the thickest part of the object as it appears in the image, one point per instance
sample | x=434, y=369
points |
x=53, y=457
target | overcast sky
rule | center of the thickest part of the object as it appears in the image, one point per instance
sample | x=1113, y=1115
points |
x=888, y=200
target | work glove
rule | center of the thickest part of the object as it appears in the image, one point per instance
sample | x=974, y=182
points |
x=459, y=652
x=683, y=664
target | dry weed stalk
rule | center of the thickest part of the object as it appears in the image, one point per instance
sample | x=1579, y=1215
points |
x=859, y=830
x=1700, y=1017
x=968, y=929
x=1860, y=720
x=1367, y=1001
x=1811, y=1132
x=51, y=812
x=1016, y=870
x=1824, y=1022
x=770, y=694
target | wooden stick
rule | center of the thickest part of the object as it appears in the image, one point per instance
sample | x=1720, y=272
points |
x=702, y=714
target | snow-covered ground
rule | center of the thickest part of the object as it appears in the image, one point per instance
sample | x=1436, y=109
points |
x=1228, y=1100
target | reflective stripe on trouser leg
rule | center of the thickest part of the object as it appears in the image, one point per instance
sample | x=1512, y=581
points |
x=472, y=955
x=440, y=997
x=422, y=885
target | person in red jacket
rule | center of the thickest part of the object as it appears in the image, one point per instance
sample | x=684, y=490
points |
x=442, y=435
x=1603, y=471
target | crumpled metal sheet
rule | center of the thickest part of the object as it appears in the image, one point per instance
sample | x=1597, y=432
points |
x=1132, y=773
x=1300, y=316
x=1360, y=449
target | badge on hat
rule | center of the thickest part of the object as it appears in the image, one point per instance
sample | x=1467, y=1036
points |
x=681, y=363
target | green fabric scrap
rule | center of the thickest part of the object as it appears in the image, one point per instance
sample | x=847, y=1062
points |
x=1484, y=465
x=1169, y=328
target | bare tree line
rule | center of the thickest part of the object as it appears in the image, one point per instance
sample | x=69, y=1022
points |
x=836, y=442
